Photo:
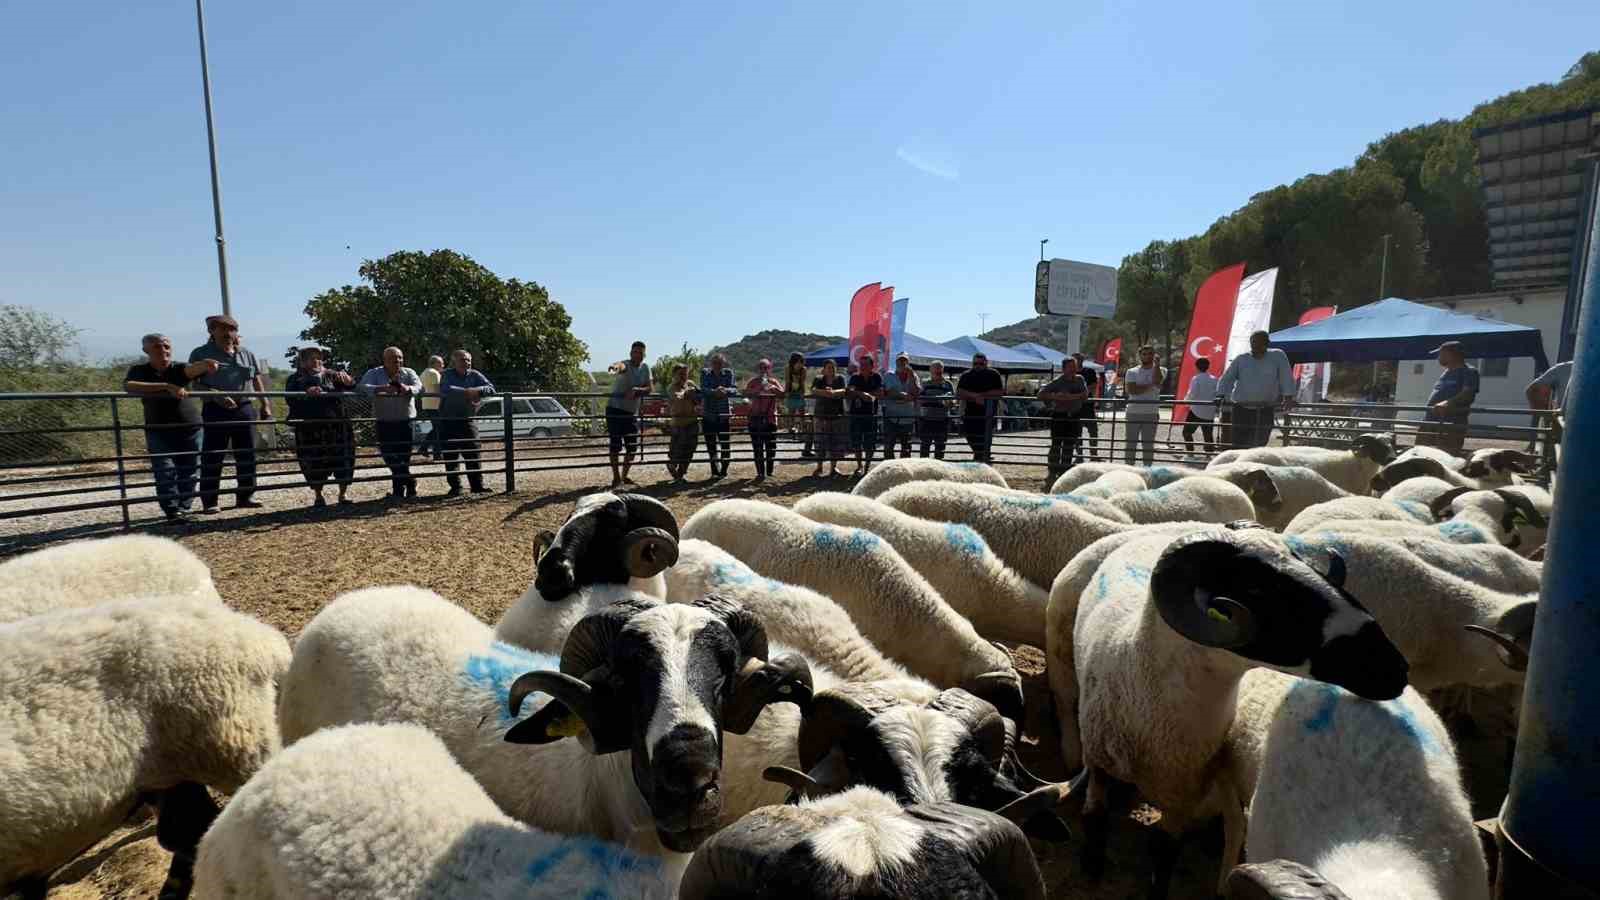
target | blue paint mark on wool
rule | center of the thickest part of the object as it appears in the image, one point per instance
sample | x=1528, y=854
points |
x=1161, y=476
x=1416, y=510
x=495, y=670
x=735, y=574
x=854, y=541
x=608, y=860
x=1322, y=719
x=1463, y=533
x=971, y=466
x=541, y=867
x=1031, y=503
x=1406, y=718
x=1136, y=574
x=1400, y=712
x=964, y=540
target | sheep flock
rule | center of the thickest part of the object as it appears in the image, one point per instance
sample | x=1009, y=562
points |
x=816, y=702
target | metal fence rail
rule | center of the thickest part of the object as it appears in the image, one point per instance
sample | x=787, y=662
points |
x=62, y=453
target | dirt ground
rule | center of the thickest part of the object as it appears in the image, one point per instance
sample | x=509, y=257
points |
x=283, y=566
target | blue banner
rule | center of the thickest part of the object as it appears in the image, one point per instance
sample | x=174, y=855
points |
x=897, y=334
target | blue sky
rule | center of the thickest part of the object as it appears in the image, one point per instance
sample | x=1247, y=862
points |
x=690, y=172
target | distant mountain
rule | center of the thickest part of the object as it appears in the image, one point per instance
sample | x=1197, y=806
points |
x=1050, y=331
x=775, y=344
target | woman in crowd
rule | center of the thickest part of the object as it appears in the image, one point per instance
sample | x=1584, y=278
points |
x=933, y=398
x=794, y=401
x=683, y=420
x=831, y=430
x=865, y=389
x=764, y=392
x=324, y=442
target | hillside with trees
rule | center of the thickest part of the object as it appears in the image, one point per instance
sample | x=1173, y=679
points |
x=774, y=344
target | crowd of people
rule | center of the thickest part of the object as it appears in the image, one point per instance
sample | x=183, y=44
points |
x=198, y=414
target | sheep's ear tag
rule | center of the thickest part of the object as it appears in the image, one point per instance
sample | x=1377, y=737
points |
x=551, y=723
x=1218, y=615
x=569, y=725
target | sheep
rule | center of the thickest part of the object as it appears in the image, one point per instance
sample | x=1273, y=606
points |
x=104, y=706
x=999, y=603
x=863, y=844
x=609, y=547
x=1089, y=472
x=661, y=681
x=87, y=573
x=888, y=599
x=1488, y=468
x=1358, y=509
x=1518, y=516
x=1438, y=454
x=795, y=616
x=366, y=811
x=893, y=472
x=1351, y=469
x=1186, y=500
x=1279, y=493
x=1368, y=795
x=1423, y=489
x=1034, y=534
x=1117, y=481
x=1161, y=644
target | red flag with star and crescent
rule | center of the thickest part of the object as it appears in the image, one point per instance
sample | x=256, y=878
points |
x=1208, y=329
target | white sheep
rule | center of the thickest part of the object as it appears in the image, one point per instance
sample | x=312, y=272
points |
x=893, y=472
x=1518, y=515
x=1279, y=493
x=1089, y=472
x=1351, y=469
x=647, y=687
x=1186, y=500
x=1488, y=468
x=998, y=601
x=795, y=616
x=861, y=843
x=90, y=572
x=1161, y=644
x=1368, y=796
x=1438, y=454
x=1034, y=534
x=1117, y=481
x=368, y=811
x=1423, y=489
x=102, y=705
x=1358, y=509
x=889, y=600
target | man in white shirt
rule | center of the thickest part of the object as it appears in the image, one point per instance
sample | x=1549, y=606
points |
x=1143, y=387
x=1257, y=383
x=1201, y=398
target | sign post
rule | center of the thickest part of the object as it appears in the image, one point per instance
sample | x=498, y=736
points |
x=1077, y=290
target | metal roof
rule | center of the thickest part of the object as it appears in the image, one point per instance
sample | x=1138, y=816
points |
x=1531, y=172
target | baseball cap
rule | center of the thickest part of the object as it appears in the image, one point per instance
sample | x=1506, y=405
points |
x=221, y=320
x=1448, y=345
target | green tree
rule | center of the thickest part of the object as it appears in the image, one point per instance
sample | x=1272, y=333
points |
x=32, y=339
x=661, y=369
x=427, y=303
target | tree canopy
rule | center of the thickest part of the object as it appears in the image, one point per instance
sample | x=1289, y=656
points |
x=426, y=303
x=31, y=338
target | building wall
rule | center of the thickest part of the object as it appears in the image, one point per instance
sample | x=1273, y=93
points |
x=1539, y=308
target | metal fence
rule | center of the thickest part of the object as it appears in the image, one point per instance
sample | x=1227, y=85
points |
x=81, y=452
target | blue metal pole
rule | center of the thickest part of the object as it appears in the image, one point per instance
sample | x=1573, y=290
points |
x=1547, y=830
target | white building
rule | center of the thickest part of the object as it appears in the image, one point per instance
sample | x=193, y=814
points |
x=1501, y=381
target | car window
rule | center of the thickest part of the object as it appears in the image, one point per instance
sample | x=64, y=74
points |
x=545, y=405
x=522, y=407
x=489, y=408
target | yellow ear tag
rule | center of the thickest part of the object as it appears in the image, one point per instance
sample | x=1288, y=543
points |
x=1218, y=614
x=570, y=725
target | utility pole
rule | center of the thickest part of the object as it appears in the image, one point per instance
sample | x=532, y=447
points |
x=983, y=322
x=1042, y=242
x=1383, y=274
x=211, y=141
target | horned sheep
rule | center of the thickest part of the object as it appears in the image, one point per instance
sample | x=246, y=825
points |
x=1488, y=468
x=104, y=706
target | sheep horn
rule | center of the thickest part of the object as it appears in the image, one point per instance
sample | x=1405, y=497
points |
x=650, y=513
x=1280, y=879
x=541, y=543
x=795, y=780
x=1440, y=505
x=836, y=712
x=1002, y=689
x=1513, y=654
x=1036, y=801
x=648, y=551
x=978, y=716
x=1521, y=502
x=573, y=692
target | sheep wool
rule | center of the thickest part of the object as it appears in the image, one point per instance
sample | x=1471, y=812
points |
x=1423, y=489
x=1358, y=509
x=1289, y=489
x=1117, y=481
x=793, y=615
x=1369, y=796
x=367, y=811
x=889, y=600
x=1186, y=500
x=1035, y=535
x=1352, y=469
x=87, y=573
x=894, y=472
x=102, y=703
x=955, y=559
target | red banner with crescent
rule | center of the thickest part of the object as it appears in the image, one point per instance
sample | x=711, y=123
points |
x=1110, y=352
x=863, y=318
x=1208, y=329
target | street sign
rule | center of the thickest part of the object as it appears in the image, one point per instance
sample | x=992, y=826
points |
x=1063, y=287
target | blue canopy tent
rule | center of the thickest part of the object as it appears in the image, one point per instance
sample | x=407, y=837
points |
x=1049, y=354
x=1400, y=329
x=1003, y=358
x=923, y=353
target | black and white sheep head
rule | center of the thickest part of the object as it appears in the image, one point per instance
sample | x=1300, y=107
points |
x=1377, y=447
x=1262, y=489
x=955, y=748
x=608, y=539
x=1246, y=592
x=663, y=681
x=863, y=844
x=1512, y=634
x=1498, y=464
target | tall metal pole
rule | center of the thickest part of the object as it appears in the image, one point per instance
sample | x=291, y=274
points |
x=1383, y=275
x=1042, y=242
x=216, y=181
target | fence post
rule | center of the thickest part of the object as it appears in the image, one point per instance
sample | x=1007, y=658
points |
x=122, y=479
x=509, y=440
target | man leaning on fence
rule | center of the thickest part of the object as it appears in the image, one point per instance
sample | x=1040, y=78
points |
x=1256, y=384
x=1450, y=404
x=171, y=421
x=461, y=387
x=324, y=442
x=1063, y=397
x=392, y=387
x=230, y=420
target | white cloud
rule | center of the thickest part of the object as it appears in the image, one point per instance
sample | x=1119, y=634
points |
x=930, y=161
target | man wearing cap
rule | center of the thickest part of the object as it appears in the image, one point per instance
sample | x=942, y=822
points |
x=1257, y=384
x=1450, y=403
x=229, y=419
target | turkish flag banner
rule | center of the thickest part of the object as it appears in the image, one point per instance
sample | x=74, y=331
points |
x=863, y=319
x=1208, y=329
x=1111, y=352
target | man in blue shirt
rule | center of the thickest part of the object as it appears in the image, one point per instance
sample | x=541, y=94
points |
x=229, y=418
x=461, y=387
x=1450, y=403
x=716, y=386
x=392, y=387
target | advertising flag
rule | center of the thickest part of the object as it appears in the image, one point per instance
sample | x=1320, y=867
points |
x=1253, y=310
x=863, y=320
x=897, y=330
x=1110, y=352
x=1208, y=329
x=1311, y=379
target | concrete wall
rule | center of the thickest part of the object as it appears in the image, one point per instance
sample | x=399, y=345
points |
x=1539, y=308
